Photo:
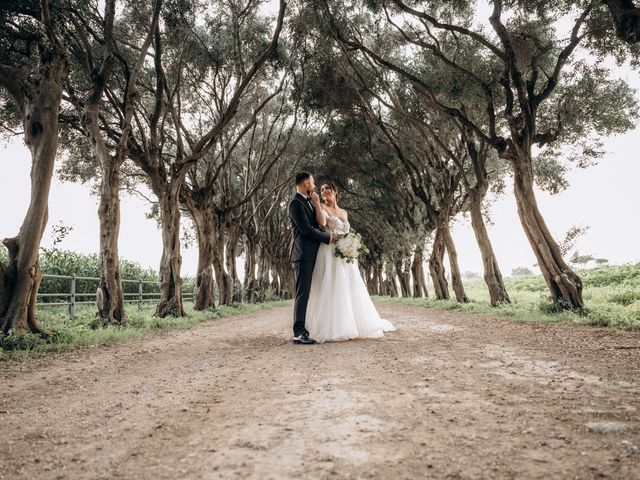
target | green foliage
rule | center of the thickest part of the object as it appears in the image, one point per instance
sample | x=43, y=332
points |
x=570, y=238
x=65, y=262
x=591, y=105
x=270, y=294
x=625, y=298
x=611, y=293
x=20, y=36
x=613, y=276
x=578, y=259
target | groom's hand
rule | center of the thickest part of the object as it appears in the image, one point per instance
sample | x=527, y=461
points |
x=334, y=238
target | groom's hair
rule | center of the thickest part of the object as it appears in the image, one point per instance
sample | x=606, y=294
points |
x=301, y=177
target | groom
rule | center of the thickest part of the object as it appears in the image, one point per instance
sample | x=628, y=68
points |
x=306, y=238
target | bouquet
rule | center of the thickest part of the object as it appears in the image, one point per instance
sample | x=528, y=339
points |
x=349, y=246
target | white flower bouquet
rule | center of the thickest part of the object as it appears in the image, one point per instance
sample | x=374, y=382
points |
x=349, y=246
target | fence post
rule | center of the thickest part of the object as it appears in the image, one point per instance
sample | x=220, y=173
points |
x=72, y=296
x=140, y=287
x=194, y=293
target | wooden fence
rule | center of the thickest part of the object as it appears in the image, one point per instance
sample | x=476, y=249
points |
x=84, y=298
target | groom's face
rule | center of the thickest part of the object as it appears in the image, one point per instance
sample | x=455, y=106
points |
x=311, y=185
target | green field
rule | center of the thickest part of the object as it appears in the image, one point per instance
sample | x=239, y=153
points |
x=611, y=294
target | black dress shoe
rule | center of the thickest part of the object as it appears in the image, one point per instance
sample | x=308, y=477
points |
x=303, y=340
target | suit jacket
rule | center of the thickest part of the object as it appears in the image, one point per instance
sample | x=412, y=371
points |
x=305, y=231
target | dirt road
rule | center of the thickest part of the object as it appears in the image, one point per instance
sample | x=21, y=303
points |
x=447, y=396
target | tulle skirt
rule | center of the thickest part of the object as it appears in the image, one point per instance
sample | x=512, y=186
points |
x=340, y=307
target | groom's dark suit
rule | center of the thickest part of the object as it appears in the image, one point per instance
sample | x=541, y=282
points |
x=305, y=240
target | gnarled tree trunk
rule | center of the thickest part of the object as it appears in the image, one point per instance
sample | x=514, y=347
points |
x=403, y=276
x=290, y=281
x=111, y=295
x=274, y=284
x=286, y=278
x=263, y=275
x=436, y=266
x=492, y=275
x=369, y=275
x=565, y=286
x=111, y=307
x=223, y=280
x=170, y=281
x=417, y=274
x=204, y=224
x=378, y=282
x=233, y=237
x=383, y=290
x=390, y=281
x=456, y=278
x=38, y=100
x=249, y=287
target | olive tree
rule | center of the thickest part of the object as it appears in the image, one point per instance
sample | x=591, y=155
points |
x=33, y=70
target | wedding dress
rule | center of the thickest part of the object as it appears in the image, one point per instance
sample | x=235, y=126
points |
x=340, y=307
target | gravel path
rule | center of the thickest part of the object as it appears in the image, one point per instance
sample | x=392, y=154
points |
x=447, y=396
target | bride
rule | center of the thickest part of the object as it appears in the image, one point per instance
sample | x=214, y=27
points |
x=339, y=307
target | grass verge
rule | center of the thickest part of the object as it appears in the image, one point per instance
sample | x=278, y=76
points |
x=84, y=330
x=611, y=295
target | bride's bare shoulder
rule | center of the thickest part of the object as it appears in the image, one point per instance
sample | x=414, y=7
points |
x=343, y=214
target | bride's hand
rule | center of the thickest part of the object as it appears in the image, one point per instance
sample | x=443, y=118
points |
x=315, y=199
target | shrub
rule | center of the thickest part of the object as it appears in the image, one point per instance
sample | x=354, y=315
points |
x=628, y=275
x=531, y=284
x=625, y=298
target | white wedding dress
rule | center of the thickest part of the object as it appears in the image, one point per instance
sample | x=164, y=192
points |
x=340, y=307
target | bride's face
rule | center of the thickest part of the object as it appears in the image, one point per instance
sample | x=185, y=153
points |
x=327, y=193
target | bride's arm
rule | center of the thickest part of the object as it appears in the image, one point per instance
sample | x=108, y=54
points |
x=317, y=206
x=320, y=218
